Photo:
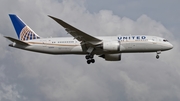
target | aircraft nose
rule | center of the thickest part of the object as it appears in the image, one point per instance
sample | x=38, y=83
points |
x=170, y=46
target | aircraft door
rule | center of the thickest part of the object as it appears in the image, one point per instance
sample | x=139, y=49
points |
x=154, y=40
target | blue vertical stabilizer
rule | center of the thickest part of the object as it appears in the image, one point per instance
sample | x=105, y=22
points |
x=22, y=30
x=17, y=23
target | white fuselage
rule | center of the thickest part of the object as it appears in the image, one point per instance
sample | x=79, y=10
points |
x=107, y=47
x=69, y=45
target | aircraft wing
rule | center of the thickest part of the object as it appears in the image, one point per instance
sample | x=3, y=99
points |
x=81, y=36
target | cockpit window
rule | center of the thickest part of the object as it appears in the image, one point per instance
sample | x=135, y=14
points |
x=165, y=40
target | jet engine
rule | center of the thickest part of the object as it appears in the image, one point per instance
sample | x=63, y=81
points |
x=111, y=57
x=111, y=46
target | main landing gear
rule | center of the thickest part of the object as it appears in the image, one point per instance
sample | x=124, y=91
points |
x=90, y=59
x=157, y=56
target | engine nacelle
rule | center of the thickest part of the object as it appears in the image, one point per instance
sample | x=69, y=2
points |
x=111, y=57
x=111, y=46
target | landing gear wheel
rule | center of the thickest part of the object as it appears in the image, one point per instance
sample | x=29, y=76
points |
x=87, y=57
x=91, y=56
x=157, y=56
x=93, y=61
x=88, y=61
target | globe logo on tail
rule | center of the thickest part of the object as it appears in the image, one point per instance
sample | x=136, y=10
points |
x=28, y=34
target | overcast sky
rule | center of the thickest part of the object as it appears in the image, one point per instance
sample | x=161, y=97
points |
x=29, y=76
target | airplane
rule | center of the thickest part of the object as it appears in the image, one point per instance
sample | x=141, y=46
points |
x=108, y=47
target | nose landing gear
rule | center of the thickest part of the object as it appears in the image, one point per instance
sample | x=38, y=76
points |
x=157, y=56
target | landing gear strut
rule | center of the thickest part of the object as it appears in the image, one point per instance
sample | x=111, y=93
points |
x=157, y=56
x=90, y=59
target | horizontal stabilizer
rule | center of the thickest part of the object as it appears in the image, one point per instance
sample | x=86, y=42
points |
x=17, y=41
